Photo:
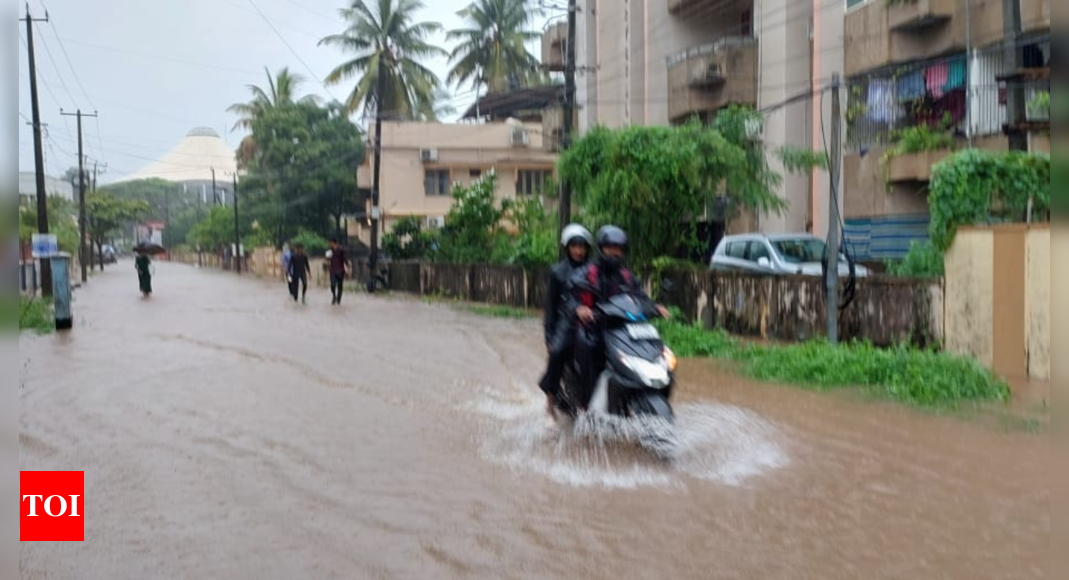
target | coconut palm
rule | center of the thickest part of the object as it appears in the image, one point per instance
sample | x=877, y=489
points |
x=281, y=90
x=385, y=40
x=493, y=49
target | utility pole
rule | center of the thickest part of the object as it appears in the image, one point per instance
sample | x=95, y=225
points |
x=832, y=256
x=83, y=225
x=565, y=208
x=237, y=229
x=38, y=153
x=380, y=90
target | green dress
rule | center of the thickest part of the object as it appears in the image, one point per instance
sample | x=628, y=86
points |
x=144, y=276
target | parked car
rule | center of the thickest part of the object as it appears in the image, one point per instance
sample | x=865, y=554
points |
x=779, y=254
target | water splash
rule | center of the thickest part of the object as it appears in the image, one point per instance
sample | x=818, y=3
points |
x=715, y=443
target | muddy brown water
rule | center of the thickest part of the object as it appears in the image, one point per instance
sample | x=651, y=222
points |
x=226, y=433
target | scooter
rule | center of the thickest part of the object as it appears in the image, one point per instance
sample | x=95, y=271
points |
x=638, y=375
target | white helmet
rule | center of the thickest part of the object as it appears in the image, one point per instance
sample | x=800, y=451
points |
x=573, y=231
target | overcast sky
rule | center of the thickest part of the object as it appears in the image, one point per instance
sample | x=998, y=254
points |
x=155, y=69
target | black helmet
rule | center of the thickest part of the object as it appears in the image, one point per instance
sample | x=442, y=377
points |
x=612, y=236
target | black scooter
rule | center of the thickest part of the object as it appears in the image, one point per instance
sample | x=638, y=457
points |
x=638, y=375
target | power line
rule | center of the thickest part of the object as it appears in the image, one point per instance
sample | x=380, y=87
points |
x=77, y=79
x=159, y=57
x=292, y=51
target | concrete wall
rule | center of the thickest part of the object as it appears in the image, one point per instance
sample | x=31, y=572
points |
x=997, y=298
x=886, y=311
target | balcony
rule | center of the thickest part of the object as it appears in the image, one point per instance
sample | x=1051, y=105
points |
x=554, y=44
x=1035, y=15
x=710, y=77
x=916, y=15
x=914, y=167
x=675, y=6
x=878, y=35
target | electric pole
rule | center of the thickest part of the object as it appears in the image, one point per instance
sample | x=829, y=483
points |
x=569, y=111
x=83, y=234
x=237, y=229
x=380, y=90
x=832, y=256
x=38, y=153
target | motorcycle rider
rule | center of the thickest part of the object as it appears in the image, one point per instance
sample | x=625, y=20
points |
x=601, y=280
x=557, y=318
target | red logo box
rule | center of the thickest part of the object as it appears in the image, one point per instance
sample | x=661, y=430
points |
x=52, y=506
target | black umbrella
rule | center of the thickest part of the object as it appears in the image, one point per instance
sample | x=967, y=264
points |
x=149, y=248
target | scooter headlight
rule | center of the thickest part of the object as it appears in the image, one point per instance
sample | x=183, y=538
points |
x=670, y=359
x=652, y=374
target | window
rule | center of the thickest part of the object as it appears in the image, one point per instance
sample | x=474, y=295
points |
x=531, y=182
x=737, y=250
x=475, y=173
x=436, y=182
x=758, y=250
x=852, y=3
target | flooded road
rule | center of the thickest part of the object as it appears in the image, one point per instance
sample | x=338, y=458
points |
x=227, y=433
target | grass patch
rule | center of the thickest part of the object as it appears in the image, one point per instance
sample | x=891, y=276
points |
x=916, y=377
x=35, y=314
x=499, y=311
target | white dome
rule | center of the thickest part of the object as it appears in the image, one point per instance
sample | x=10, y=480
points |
x=192, y=160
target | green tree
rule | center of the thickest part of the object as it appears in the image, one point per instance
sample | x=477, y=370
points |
x=492, y=52
x=656, y=182
x=215, y=232
x=406, y=240
x=473, y=224
x=281, y=90
x=107, y=214
x=304, y=176
x=387, y=42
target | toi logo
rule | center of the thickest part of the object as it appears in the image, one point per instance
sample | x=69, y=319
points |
x=52, y=506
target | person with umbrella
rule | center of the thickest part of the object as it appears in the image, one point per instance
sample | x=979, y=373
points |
x=143, y=264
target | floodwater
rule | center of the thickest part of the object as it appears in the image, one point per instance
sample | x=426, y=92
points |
x=227, y=433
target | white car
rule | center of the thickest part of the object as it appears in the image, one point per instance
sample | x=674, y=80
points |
x=800, y=254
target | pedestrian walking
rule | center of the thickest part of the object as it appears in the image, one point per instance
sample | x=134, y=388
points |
x=339, y=267
x=143, y=265
x=299, y=271
x=287, y=271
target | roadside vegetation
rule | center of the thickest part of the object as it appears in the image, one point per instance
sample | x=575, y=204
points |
x=921, y=378
x=35, y=315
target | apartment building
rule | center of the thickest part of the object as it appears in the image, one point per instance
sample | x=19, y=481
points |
x=974, y=69
x=659, y=62
x=422, y=162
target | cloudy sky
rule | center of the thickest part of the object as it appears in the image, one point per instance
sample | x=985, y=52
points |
x=155, y=69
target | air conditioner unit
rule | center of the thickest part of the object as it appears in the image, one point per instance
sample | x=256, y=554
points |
x=436, y=222
x=428, y=155
x=519, y=137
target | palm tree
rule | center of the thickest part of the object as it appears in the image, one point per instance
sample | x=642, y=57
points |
x=493, y=49
x=282, y=90
x=386, y=41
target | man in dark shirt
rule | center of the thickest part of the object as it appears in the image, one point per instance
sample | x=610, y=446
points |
x=339, y=266
x=299, y=270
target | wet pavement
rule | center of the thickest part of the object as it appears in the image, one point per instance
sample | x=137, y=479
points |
x=228, y=433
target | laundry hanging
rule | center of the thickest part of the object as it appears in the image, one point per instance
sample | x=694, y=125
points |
x=955, y=74
x=937, y=79
x=881, y=100
x=910, y=86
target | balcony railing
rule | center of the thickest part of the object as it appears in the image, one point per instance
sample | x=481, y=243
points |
x=709, y=77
